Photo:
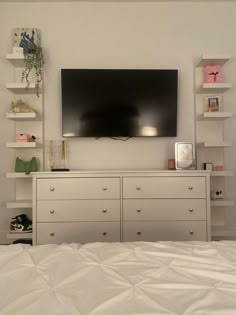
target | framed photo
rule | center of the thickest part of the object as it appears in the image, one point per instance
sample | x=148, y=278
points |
x=184, y=155
x=213, y=103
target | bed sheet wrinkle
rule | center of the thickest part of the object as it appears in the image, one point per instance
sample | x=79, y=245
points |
x=140, y=275
x=25, y=283
x=160, y=300
x=47, y=302
x=22, y=258
x=131, y=301
x=172, y=274
x=99, y=253
x=176, y=300
x=66, y=267
x=111, y=279
x=86, y=300
x=78, y=277
x=196, y=276
x=210, y=276
x=213, y=302
x=46, y=253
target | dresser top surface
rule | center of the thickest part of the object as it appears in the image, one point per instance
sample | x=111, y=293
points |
x=118, y=173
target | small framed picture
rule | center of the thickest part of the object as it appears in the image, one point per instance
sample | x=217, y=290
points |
x=213, y=103
x=184, y=155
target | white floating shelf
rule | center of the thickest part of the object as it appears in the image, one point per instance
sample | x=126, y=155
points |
x=21, y=87
x=15, y=236
x=222, y=173
x=19, y=204
x=18, y=175
x=215, y=116
x=21, y=145
x=21, y=116
x=215, y=144
x=206, y=88
x=222, y=231
x=213, y=59
x=16, y=59
x=222, y=203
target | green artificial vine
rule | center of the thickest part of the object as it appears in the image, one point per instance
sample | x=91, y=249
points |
x=33, y=59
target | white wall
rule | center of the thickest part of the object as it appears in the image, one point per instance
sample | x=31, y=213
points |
x=121, y=35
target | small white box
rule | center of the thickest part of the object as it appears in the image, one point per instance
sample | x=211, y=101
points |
x=18, y=50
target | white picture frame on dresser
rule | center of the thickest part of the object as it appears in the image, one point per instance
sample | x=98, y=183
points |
x=121, y=206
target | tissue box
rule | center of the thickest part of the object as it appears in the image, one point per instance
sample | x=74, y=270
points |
x=22, y=137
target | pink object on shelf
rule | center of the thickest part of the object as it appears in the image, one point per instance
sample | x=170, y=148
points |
x=219, y=167
x=213, y=74
x=22, y=137
x=171, y=164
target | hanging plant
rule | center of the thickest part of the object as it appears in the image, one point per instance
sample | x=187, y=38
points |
x=33, y=60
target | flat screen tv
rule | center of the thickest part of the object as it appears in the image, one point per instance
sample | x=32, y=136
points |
x=119, y=102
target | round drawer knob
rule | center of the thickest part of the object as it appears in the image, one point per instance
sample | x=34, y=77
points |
x=104, y=188
x=139, y=233
x=51, y=211
x=191, y=232
x=138, y=210
x=190, y=209
x=52, y=189
x=104, y=210
x=104, y=233
x=52, y=234
x=190, y=187
x=138, y=188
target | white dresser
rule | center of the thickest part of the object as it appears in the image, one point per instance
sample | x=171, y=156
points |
x=114, y=206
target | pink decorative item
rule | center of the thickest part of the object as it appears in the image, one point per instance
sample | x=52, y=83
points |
x=219, y=168
x=213, y=74
x=171, y=164
x=22, y=137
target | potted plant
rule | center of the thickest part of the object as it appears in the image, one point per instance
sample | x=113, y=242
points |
x=34, y=60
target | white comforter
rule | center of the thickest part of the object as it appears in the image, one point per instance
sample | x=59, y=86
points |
x=111, y=278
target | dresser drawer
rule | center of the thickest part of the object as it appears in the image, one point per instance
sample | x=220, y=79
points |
x=78, y=210
x=79, y=232
x=164, y=231
x=164, y=187
x=78, y=188
x=164, y=209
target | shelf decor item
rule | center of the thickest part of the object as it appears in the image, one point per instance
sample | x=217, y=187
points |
x=208, y=166
x=184, y=155
x=26, y=166
x=213, y=103
x=22, y=137
x=29, y=40
x=217, y=194
x=171, y=164
x=23, y=34
x=57, y=155
x=21, y=107
x=213, y=74
x=219, y=168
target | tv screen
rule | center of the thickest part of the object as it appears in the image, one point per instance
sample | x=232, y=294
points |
x=119, y=102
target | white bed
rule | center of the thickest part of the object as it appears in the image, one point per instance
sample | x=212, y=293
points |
x=111, y=278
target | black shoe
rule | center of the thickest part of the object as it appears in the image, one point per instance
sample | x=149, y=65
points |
x=21, y=224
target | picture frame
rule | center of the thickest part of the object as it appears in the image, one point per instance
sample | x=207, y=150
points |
x=213, y=103
x=184, y=155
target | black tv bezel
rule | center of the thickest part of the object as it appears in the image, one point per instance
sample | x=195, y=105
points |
x=123, y=136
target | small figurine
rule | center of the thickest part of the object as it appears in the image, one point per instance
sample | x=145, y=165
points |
x=213, y=74
x=21, y=107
